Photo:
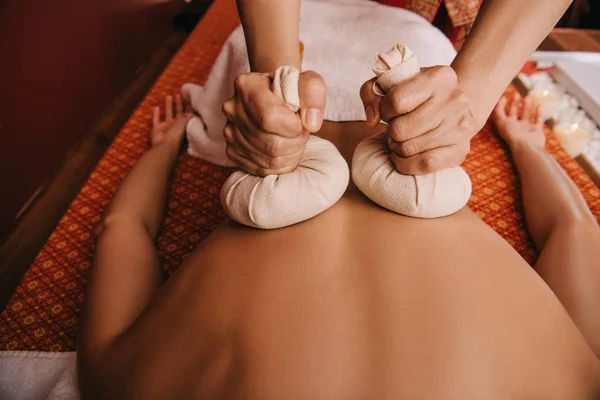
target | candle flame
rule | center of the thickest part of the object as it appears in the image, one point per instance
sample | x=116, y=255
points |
x=574, y=127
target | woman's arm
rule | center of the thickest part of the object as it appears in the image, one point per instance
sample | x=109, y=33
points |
x=271, y=30
x=142, y=196
x=505, y=33
x=126, y=271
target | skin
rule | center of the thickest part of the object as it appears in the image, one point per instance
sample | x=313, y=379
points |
x=255, y=110
x=357, y=302
x=432, y=117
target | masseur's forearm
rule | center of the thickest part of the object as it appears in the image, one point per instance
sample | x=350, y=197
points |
x=505, y=33
x=271, y=30
x=142, y=196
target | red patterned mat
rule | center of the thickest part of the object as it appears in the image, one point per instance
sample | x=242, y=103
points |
x=42, y=314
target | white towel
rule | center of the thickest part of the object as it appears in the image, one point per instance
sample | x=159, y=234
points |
x=36, y=375
x=340, y=39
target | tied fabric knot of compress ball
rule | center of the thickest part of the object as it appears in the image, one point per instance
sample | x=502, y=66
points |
x=422, y=196
x=276, y=201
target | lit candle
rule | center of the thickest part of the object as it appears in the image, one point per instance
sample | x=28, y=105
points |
x=572, y=136
x=547, y=99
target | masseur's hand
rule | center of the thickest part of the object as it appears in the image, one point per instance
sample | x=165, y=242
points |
x=263, y=135
x=430, y=120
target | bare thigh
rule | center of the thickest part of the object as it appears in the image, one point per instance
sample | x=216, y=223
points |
x=357, y=303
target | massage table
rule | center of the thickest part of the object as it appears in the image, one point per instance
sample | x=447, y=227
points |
x=42, y=314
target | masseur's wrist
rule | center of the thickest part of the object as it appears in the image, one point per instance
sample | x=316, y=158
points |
x=479, y=91
x=268, y=63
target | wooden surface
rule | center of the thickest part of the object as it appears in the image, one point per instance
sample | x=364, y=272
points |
x=566, y=39
x=39, y=219
x=61, y=64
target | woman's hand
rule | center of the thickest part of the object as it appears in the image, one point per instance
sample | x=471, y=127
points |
x=430, y=120
x=263, y=135
x=173, y=125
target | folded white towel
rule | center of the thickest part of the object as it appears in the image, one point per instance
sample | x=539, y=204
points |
x=340, y=38
x=36, y=375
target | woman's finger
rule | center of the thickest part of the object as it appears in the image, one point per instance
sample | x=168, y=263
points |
x=514, y=106
x=168, y=108
x=500, y=109
x=178, y=106
x=526, y=115
x=155, y=116
x=539, y=118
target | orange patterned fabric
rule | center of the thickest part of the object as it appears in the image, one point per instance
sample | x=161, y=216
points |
x=455, y=18
x=42, y=314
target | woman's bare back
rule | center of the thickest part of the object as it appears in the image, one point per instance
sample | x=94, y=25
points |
x=357, y=303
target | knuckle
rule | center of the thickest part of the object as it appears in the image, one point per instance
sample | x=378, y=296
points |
x=366, y=90
x=231, y=153
x=466, y=124
x=407, y=149
x=403, y=165
x=267, y=120
x=228, y=107
x=446, y=74
x=227, y=133
x=276, y=163
x=239, y=83
x=310, y=74
x=427, y=164
x=261, y=171
x=313, y=80
x=399, y=102
x=461, y=99
x=273, y=145
x=398, y=130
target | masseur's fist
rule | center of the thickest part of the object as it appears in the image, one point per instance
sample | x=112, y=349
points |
x=430, y=120
x=264, y=136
